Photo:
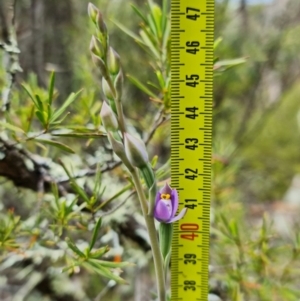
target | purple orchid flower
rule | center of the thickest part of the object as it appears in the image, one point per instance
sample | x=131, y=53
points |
x=166, y=205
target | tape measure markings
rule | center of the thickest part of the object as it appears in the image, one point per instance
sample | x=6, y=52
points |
x=191, y=119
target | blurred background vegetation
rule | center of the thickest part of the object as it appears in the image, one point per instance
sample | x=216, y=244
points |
x=255, y=240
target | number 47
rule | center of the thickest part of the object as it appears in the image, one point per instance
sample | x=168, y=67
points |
x=192, y=17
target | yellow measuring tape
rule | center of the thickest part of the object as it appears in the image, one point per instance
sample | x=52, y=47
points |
x=192, y=33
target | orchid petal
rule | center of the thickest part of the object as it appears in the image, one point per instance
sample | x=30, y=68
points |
x=174, y=200
x=178, y=217
x=162, y=212
x=166, y=189
x=157, y=198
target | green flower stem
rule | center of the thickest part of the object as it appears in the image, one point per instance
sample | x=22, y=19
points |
x=118, y=105
x=157, y=256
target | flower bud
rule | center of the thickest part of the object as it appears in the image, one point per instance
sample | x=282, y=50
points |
x=97, y=48
x=101, y=24
x=92, y=11
x=100, y=64
x=116, y=145
x=136, y=151
x=108, y=118
x=113, y=61
x=106, y=90
x=119, y=150
x=118, y=84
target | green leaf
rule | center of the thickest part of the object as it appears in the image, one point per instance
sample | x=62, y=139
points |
x=166, y=36
x=141, y=86
x=160, y=79
x=152, y=196
x=30, y=94
x=81, y=135
x=51, y=88
x=264, y=228
x=58, y=122
x=11, y=127
x=154, y=161
x=128, y=32
x=151, y=21
x=98, y=184
x=95, y=233
x=153, y=85
x=99, y=253
x=165, y=238
x=70, y=208
x=67, y=268
x=110, y=264
x=75, y=186
x=156, y=15
x=56, y=195
x=234, y=230
x=226, y=64
x=164, y=19
x=74, y=248
x=138, y=12
x=103, y=271
x=163, y=171
x=148, y=42
x=80, y=191
x=50, y=97
x=40, y=103
x=217, y=42
x=65, y=105
x=116, y=195
x=30, y=118
x=56, y=144
x=40, y=116
x=78, y=128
